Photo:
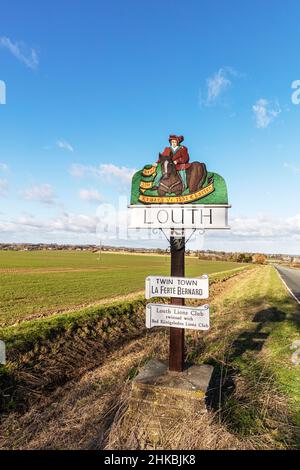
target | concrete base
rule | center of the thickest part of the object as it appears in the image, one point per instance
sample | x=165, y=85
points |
x=192, y=379
x=160, y=400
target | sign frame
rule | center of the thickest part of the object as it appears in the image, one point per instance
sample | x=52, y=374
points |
x=173, y=286
x=179, y=216
x=181, y=316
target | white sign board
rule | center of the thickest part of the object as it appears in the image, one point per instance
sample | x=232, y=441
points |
x=2, y=353
x=177, y=317
x=180, y=287
x=189, y=216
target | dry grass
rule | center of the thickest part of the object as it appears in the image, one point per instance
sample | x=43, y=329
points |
x=252, y=416
x=79, y=414
x=91, y=413
x=193, y=431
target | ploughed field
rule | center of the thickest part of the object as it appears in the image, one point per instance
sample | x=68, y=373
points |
x=45, y=282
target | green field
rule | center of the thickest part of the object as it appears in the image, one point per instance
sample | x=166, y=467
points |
x=42, y=282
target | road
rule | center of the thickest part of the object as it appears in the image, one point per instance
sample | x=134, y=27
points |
x=292, y=279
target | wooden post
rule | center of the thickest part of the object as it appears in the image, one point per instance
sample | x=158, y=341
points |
x=176, y=355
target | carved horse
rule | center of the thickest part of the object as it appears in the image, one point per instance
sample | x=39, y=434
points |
x=171, y=182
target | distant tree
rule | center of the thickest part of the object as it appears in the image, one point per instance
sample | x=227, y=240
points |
x=240, y=257
x=259, y=259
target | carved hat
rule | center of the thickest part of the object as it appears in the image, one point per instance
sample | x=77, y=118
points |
x=179, y=138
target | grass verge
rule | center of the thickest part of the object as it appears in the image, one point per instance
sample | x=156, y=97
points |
x=257, y=385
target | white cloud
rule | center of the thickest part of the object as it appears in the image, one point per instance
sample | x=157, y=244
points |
x=63, y=144
x=42, y=193
x=261, y=233
x=218, y=84
x=295, y=169
x=90, y=195
x=23, y=53
x=78, y=171
x=107, y=171
x=266, y=227
x=122, y=174
x=265, y=112
x=74, y=223
x=3, y=187
x=259, y=228
x=3, y=167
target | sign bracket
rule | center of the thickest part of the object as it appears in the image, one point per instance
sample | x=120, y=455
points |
x=179, y=238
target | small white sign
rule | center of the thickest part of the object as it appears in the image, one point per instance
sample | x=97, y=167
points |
x=177, y=287
x=2, y=353
x=177, y=317
x=187, y=216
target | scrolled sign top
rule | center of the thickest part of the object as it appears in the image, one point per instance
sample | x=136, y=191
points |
x=174, y=179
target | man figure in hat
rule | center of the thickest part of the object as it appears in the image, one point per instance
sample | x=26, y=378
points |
x=180, y=157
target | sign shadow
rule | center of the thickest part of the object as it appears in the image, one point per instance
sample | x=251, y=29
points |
x=223, y=380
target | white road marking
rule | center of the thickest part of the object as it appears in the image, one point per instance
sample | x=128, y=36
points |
x=287, y=287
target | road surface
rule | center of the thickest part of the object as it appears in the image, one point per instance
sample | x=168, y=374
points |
x=292, y=279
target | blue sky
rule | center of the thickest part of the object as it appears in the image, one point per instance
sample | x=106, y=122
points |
x=94, y=88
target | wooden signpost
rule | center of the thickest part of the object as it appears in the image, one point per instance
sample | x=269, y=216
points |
x=176, y=195
x=176, y=351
